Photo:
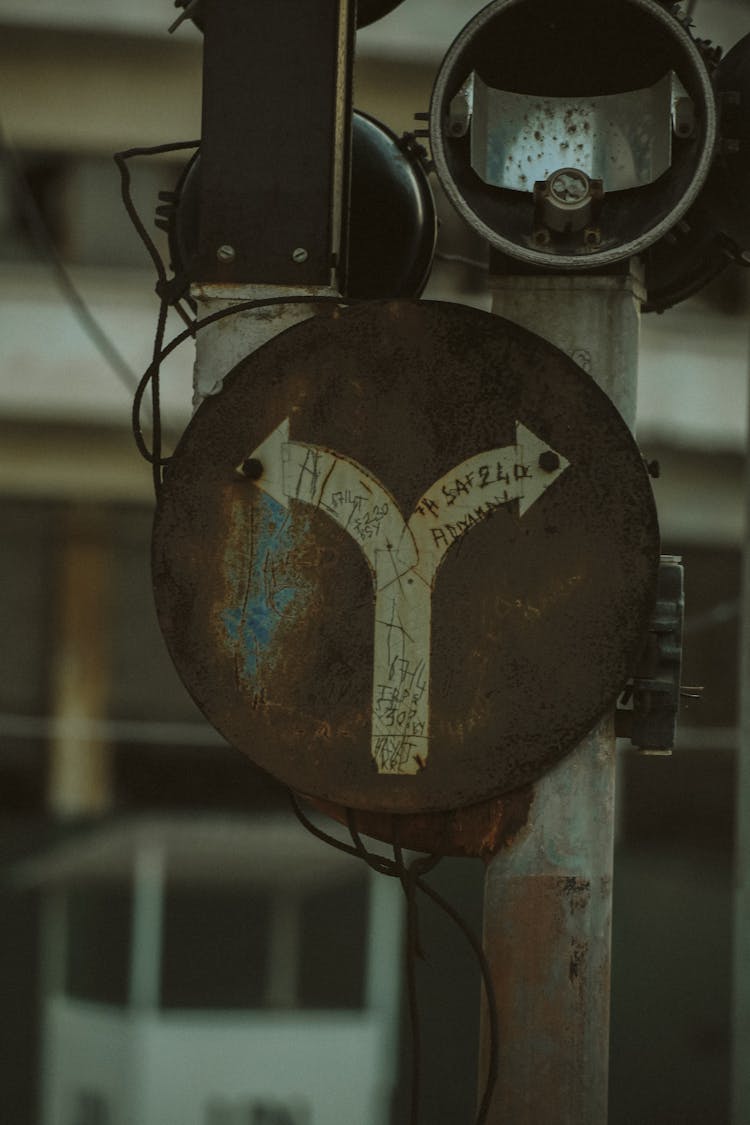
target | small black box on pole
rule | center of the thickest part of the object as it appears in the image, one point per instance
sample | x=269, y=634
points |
x=273, y=179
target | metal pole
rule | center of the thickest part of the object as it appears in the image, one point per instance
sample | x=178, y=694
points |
x=548, y=895
x=741, y=974
x=383, y=985
x=80, y=765
x=149, y=877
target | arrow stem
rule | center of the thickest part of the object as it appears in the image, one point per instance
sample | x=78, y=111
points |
x=401, y=676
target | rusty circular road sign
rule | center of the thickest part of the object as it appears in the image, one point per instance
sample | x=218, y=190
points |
x=407, y=557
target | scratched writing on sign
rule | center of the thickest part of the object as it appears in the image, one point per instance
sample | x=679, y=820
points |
x=396, y=753
x=356, y=514
x=405, y=555
x=464, y=499
x=400, y=687
x=446, y=533
x=483, y=476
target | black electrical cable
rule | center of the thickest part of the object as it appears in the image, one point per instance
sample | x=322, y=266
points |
x=157, y=461
x=489, y=991
x=408, y=874
x=397, y=869
x=150, y=378
x=154, y=455
x=151, y=374
x=121, y=160
x=65, y=283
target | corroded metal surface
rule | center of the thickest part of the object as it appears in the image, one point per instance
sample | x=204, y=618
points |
x=271, y=587
x=547, y=922
x=557, y=979
x=477, y=831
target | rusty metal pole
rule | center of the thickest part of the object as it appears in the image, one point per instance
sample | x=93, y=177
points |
x=548, y=895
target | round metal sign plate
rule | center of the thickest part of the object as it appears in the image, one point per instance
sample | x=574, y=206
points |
x=433, y=572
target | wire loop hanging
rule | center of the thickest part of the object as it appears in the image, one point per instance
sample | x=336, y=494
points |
x=412, y=878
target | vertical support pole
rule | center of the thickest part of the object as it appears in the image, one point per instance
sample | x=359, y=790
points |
x=741, y=957
x=383, y=983
x=53, y=957
x=80, y=771
x=548, y=896
x=146, y=931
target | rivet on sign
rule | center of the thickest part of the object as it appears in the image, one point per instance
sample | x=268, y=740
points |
x=549, y=461
x=252, y=468
x=299, y=254
x=225, y=253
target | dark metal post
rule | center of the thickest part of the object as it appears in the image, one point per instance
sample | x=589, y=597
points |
x=276, y=118
x=548, y=895
x=274, y=170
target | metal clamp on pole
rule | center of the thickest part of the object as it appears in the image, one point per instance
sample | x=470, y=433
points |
x=653, y=695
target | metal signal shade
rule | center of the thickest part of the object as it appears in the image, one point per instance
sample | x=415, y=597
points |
x=571, y=137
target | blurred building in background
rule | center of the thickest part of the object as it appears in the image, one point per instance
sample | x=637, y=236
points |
x=97, y=735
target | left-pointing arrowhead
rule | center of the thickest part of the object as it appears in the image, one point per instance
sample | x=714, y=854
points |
x=543, y=466
x=270, y=455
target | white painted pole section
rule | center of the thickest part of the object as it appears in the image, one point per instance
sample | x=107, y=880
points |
x=383, y=984
x=146, y=928
x=53, y=957
x=220, y=346
x=547, y=920
x=741, y=974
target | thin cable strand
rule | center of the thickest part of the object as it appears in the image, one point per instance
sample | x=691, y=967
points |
x=396, y=868
x=189, y=333
x=121, y=160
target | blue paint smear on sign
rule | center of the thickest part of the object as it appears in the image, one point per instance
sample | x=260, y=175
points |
x=252, y=625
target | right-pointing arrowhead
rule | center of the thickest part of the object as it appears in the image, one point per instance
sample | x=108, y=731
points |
x=270, y=456
x=543, y=465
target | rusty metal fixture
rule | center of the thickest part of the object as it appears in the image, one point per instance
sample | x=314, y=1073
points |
x=406, y=612
x=477, y=831
x=392, y=217
x=620, y=93
x=654, y=693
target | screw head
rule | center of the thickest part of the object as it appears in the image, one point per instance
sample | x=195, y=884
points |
x=225, y=253
x=299, y=254
x=549, y=461
x=569, y=185
x=252, y=468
